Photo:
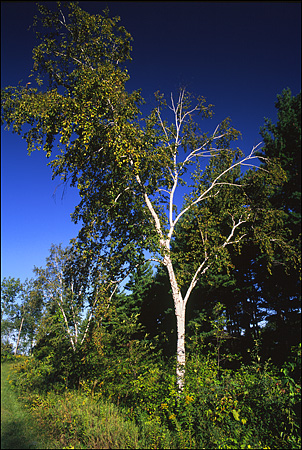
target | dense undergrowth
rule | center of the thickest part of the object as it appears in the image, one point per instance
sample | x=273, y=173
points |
x=256, y=406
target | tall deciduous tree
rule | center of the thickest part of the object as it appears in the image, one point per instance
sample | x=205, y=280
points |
x=21, y=309
x=67, y=289
x=129, y=172
x=11, y=321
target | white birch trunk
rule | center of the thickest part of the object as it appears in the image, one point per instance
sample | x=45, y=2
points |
x=181, y=351
x=19, y=336
x=180, y=312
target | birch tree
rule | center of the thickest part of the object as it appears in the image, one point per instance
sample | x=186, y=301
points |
x=180, y=147
x=21, y=306
x=11, y=310
x=66, y=283
x=131, y=173
x=161, y=164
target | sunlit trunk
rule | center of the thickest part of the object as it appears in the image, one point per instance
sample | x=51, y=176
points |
x=180, y=312
x=181, y=352
x=19, y=336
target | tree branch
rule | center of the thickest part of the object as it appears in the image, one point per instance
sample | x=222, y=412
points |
x=215, y=182
x=195, y=278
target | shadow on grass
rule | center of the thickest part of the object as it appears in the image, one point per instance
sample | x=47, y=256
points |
x=19, y=429
x=14, y=435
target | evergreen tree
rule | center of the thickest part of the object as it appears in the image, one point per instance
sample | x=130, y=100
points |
x=281, y=292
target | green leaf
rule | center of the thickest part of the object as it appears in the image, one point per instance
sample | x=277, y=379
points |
x=235, y=414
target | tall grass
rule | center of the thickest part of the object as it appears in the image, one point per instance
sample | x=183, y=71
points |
x=81, y=422
x=78, y=421
x=18, y=429
x=72, y=420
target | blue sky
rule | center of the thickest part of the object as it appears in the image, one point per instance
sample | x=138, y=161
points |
x=239, y=55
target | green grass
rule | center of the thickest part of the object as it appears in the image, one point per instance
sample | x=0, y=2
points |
x=66, y=420
x=18, y=429
x=82, y=422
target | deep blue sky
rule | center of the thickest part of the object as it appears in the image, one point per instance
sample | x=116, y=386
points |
x=239, y=55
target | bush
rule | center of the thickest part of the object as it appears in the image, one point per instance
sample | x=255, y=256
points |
x=6, y=352
x=254, y=407
x=29, y=374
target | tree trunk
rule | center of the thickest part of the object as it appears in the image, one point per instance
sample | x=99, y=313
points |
x=181, y=351
x=180, y=312
x=19, y=336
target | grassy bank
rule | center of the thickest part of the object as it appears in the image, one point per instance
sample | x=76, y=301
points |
x=18, y=427
x=65, y=420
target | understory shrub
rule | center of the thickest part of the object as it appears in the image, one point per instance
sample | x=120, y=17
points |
x=7, y=352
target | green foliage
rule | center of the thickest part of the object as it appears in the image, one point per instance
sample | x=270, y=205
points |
x=72, y=420
x=117, y=353
x=6, y=352
x=127, y=170
x=21, y=310
x=80, y=421
x=30, y=374
x=248, y=409
x=11, y=291
x=256, y=406
x=283, y=141
x=19, y=429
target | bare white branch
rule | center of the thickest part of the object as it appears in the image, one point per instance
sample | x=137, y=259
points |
x=201, y=270
x=121, y=193
x=216, y=183
x=235, y=225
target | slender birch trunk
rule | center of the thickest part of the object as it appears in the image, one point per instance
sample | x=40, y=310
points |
x=181, y=350
x=181, y=111
x=19, y=334
x=180, y=313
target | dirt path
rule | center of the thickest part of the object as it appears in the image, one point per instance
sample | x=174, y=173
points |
x=17, y=426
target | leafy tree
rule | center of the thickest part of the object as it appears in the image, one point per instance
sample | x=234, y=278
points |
x=139, y=284
x=128, y=170
x=11, y=321
x=254, y=295
x=68, y=294
x=21, y=309
x=32, y=308
x=283, y=141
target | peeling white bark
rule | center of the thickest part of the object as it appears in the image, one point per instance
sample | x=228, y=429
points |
x=180, y=313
